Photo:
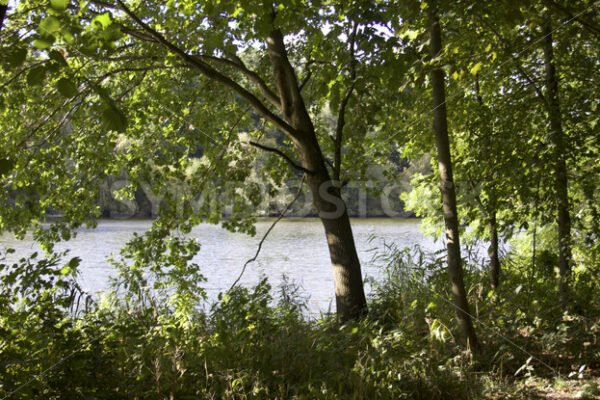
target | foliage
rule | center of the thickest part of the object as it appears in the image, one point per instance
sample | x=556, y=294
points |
x=247, y=346
x=170, y=95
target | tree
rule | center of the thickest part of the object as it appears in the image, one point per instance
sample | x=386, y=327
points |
x=440, y=127
x=560, y=166
x=555, y=153
x=115, y=64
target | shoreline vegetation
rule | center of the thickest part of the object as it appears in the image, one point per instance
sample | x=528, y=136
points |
x=259, y=342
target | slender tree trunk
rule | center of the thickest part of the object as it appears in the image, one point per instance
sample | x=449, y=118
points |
x=560, y=165
x=493, y=252
x=349, y=292
x=533, y=255
x=3, y=10
x=440, y=127
x=491, y=220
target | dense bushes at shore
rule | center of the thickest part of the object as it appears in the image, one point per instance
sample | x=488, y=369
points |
x=256, y=344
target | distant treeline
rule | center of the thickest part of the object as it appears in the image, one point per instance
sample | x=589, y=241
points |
x=363, y=199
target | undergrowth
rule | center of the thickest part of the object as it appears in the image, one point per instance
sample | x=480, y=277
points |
x=54, y=345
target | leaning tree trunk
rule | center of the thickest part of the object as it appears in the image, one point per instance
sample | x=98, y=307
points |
x=560, y=165
x=347, y=277
x=440, y=127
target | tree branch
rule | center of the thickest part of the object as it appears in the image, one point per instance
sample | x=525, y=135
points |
x=131, y=58
x=131, y=69
x=211, y=73
x=20, y=72
x=341, y=122
x=520, y=68
x=238, y=65
x=284, y=156
x=281, y=215
x=81, y=91
x=59, y=125
x=586, y=24
x=473, y=189
x=137, y=34
x=339, y=133
x=308, y=75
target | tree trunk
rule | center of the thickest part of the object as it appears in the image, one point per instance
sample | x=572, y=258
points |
x=493, y=252
x=492, y=221
x=560, y=165
x=440, y=127
x=347, y=277
x=533, y=255
x=3, y=9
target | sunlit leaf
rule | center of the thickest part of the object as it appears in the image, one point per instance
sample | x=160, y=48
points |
x=59, y=5
x=475, y=69
x=49, y=25
x=42, y=43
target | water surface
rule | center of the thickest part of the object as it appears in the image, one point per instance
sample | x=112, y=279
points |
x=296, y=248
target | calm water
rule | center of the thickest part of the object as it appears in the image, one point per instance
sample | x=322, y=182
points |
x=295, y=247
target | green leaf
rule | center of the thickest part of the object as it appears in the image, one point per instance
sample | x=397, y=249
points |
x=68, y=36
x=66, y=87
x=36, y=76
x=59, y=5
x=103, y=94
x=42, y=43
x=74, y=262
x=6, y=166
x=49, y=25
x=476, y=68
x=412, y=34
x=104, y=20
x=17, y=57
x=114, y=119
x=112, y=33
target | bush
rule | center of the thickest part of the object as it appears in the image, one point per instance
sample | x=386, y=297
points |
x=248, y=346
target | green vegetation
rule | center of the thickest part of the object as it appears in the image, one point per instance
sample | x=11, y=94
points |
x=180, y=97
x=249, y=345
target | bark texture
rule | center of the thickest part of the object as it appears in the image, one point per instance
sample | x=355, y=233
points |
x=440, y=127
x=349, y=291
x=560, y=165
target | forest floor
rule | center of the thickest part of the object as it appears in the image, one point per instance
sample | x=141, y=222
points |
x=552, y=389
x=567, y=390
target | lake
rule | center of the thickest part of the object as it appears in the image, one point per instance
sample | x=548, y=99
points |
x=295, y=248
